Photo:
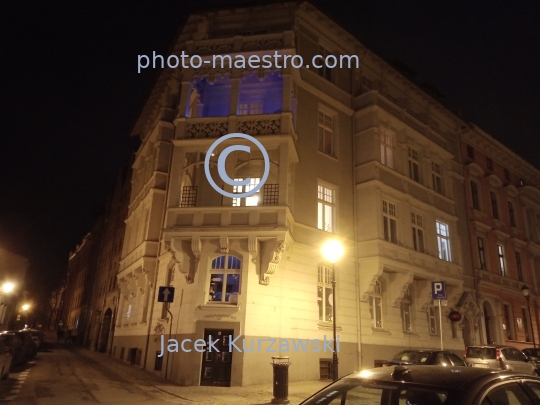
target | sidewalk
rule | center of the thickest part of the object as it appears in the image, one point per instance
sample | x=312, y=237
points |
x=165, y=390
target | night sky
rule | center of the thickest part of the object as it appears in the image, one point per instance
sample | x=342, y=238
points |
x=70, y=94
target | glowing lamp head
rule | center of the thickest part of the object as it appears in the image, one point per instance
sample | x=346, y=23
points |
x=8, y=287
x=25, y=307
x=332, y=250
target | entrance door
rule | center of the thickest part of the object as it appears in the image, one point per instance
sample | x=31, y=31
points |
x=216, y=365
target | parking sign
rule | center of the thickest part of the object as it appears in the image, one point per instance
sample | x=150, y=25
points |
x=438, y=290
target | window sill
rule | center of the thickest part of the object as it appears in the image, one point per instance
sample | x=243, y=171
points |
x=335, y=159
x=380, y=331
x=221, y=306
x=328, y=326
x=410, y=334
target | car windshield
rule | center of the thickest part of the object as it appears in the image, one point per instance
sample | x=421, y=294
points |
x=481, y=352
x=412, y=357
x=362, y=392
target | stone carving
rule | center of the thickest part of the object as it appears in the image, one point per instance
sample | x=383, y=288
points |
x=210, y=73
x=212, y=129
x=263, y=43
x=214, y=47
x=224, y=244
x=158, y=330
x=272, y=263
x=260, y=127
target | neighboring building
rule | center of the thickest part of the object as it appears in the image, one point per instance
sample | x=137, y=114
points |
x=81, y=272
x=104, y=299
x=361, y=154
x=503, y=198
x=56, y=303
x=13, y=268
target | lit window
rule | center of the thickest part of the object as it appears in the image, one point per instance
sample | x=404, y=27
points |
x=252, y=200
x=413, y=164
x=436, y=177
x=387, y=149
x=326, y=134
x=326, y=204
x=324, y=294
x=253, y=107
x=389, y=221
x=375, y=306
x=502, y=262
x=189, y=196
x=406, y=312
x=418, y=232
x=225, y=279
x=443, y=241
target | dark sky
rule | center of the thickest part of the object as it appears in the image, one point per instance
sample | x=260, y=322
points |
x=70, y=94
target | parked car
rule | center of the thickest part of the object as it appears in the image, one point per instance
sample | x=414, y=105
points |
x=430, y=385
x=499, y=357
x=425, y=357
x=36, y=335
x=18, y=351
x=5, y=361
x=28, y=343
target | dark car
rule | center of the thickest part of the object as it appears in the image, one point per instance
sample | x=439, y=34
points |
x=430, y=385
x=533, y=354
x=6, y=357
x=15, y=346
x=425, y=357
x=28, y=343
x=36, y=335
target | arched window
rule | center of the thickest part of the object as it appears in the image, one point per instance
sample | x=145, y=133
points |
x=225, y=279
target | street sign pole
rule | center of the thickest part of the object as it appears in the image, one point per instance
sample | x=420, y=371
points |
x=170, y=337
x=440, y=323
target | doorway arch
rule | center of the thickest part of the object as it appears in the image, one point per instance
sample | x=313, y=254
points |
x=467, y=331
x=105, y=328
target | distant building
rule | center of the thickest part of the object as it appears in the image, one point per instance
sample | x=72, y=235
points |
x=503, y=210
x=13, y=268
x=359, y=153
x=56, y=303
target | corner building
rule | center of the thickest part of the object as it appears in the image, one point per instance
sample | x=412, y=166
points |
x=357, y=153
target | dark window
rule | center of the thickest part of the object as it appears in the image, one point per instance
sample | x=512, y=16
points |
x=455, y=359
x=159, y=362
x=325, y=369
x=506, y=174
x=518, y=266
x=489, y=164
x=494, y=205
x=510, y=393
x=474, y=194
x=189, y=196
x=271, y=194
x=481, y=253
x=470, y=151
x=511, y=213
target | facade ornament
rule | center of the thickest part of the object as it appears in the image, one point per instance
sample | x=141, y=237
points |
x=224, y=244
x=158, y=330
x=273, y=263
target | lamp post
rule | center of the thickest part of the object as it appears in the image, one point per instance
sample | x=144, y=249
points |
x=527, y=295
x=332, y=251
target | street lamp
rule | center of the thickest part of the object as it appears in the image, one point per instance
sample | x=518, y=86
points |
x=527, y=295
x=8, y=287
x=332, y=251
x=25, y=307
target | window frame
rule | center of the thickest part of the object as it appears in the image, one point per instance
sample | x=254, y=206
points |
x=325, y=71
x=327, y=130
x=323, y=203
x=474, y=195
x=481, y=253
x=470, y=152
x=414, y=164
x=519, y=266
x=417, y=224
x=243, y=202
x=225, y=271
x=441, y=237
x=512, y=214
x=431, y=313
x=406, y=315
x=390, y=232
x=508, y=317
x=387, y=148
x=436, y=174
x=494, y=204
x=503, y=269
x=376, y=297
x=325, y=277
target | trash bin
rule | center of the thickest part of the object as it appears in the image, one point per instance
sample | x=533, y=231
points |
x=281, y=379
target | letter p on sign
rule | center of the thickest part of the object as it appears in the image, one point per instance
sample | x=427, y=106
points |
x=438, y=290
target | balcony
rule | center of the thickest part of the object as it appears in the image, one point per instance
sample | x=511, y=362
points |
x=255, y=125
x=228, y=219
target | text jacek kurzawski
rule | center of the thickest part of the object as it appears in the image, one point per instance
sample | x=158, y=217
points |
x=242, y=345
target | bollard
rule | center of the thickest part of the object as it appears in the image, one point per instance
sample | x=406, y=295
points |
x=281, y=379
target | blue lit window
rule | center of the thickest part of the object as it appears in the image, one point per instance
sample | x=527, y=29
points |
x=225, y=279
x=209, y=99
x=260, y=95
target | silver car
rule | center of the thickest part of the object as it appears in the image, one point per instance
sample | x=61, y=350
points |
x=499, y=357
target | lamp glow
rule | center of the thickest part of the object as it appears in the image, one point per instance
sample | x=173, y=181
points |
x=8, y=287
x=25, y=307
x=332, y=250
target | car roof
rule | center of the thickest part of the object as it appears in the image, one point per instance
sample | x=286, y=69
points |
x=442, y=377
